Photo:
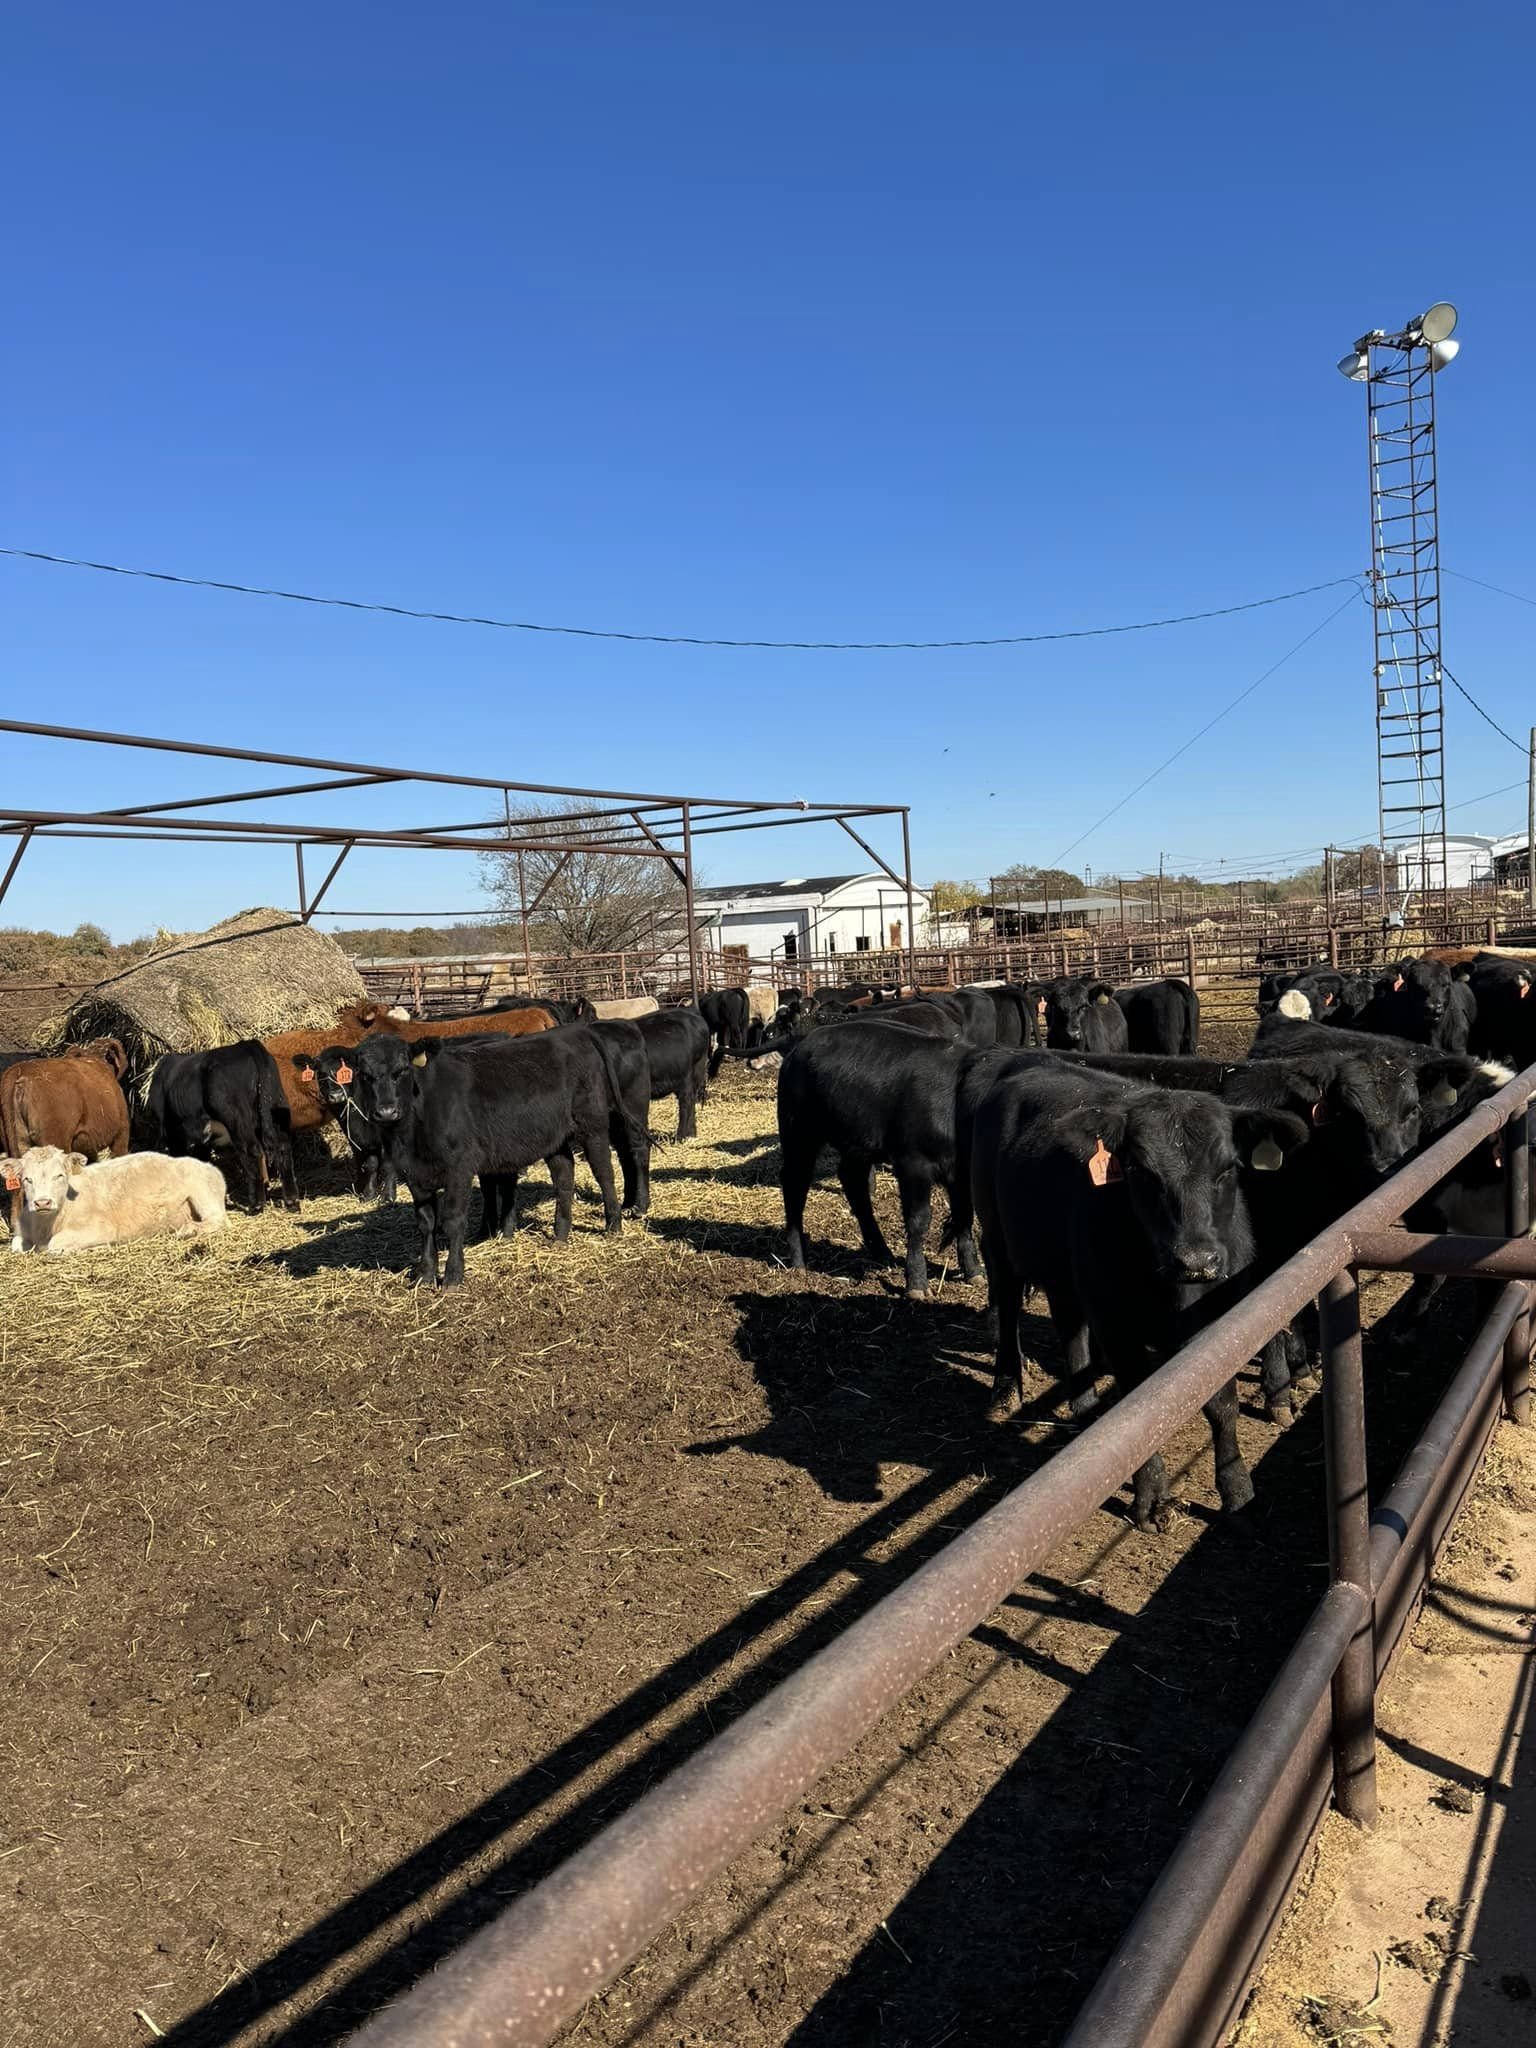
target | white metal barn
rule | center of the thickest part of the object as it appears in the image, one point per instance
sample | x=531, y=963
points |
x=811, y=914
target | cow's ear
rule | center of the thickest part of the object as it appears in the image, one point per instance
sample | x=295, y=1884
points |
x=10, y=1172
x=1266, y=1138
x=1441, y=1081
x=1083, y=1131
x=423, y=1050
x=1101, y=992
x=78, y=1162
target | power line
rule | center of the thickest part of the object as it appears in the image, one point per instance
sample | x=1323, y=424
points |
x=1462, y=575
x=1225, y=712
x=1485, y=716
x=400, y=611
x=1251, y=863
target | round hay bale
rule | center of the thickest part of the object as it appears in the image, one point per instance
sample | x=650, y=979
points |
x=256, y=974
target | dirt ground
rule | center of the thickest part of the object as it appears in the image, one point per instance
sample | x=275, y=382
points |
x=336, y=1614
x=1423, y=1933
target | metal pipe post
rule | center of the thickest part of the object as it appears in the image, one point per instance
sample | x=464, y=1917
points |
x=693, y=936
x=1349, y=1546
x=522, y=912
x=15, y=861
x=298, y=854
x=1517, y=1222
x=906, y=869
x=1530, y=831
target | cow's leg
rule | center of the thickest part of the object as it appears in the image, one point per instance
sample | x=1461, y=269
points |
x=453, y=1222
x=426, y=1257
x=1006, y=1291
x=1122, y=1347
x=701, y=1080
x=1415, y=1306
x=562, y=1172
x=1275, y=1379
x=1232, y=1480
x=962, y=1221
x=687, y=1123
x=251, y=1165
x=280, y=1161
x=857, y=1173
x=916, y=1191
x=797, y=1166
x=507, y=1184
x=598, y=1155
x=490, y=1207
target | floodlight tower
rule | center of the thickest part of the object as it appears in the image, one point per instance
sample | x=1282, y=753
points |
x=1398, y=372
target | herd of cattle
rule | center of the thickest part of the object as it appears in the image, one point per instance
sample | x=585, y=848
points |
x=1140, y=1187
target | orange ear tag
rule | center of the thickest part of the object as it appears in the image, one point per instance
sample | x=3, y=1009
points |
x=344, y=1074
x=12, y=1183
x=306, y=1073
x=1328, y=1002
x=1397, y=984
x=1525, y=989
x=1103, y=1166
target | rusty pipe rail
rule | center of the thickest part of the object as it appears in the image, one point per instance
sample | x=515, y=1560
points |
x=1176, y=1977
x=520, y=1977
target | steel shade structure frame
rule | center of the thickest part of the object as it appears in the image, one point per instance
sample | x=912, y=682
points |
x=1180, y=1973
x=639, y=824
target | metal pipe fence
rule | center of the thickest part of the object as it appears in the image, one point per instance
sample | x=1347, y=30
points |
x=1181, y=1970
x=1225, y=962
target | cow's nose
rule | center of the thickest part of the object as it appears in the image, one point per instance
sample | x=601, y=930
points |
x=1200, y=1262
x=385, y=1115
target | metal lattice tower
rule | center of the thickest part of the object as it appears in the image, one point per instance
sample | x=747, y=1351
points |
x=1405, y=612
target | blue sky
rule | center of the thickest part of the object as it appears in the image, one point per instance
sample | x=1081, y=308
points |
x=852, y=322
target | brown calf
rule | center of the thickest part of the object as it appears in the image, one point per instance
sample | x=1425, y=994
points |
x=74, y=1103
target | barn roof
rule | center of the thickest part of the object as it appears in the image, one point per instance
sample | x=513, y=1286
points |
x=807, y=885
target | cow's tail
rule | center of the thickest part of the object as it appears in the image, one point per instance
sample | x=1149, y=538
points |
x=274, y=1119
x=639, y=1131
x=784, y=1043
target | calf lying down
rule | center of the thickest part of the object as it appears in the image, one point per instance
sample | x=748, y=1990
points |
x=69, y=1205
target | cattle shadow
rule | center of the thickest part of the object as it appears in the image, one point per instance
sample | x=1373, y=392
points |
x=870, y=1559
x=383, y=1237
x=1022, y=1904
x=854, y=1382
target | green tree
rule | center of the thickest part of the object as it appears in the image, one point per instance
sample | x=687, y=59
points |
x=950, y=898
x=1025, y=884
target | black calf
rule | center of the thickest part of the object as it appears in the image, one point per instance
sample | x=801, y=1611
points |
x=1083, y=1016
x=728, y=1015
x=1161, y=1016
x=876, y=1093
x=628, y=1121
x=447, y=1116
x=677, y=1049
x=227, y=1099
x=1125, y=1205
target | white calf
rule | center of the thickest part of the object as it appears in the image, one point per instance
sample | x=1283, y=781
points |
x=626, y=1006
x=71, y=1206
